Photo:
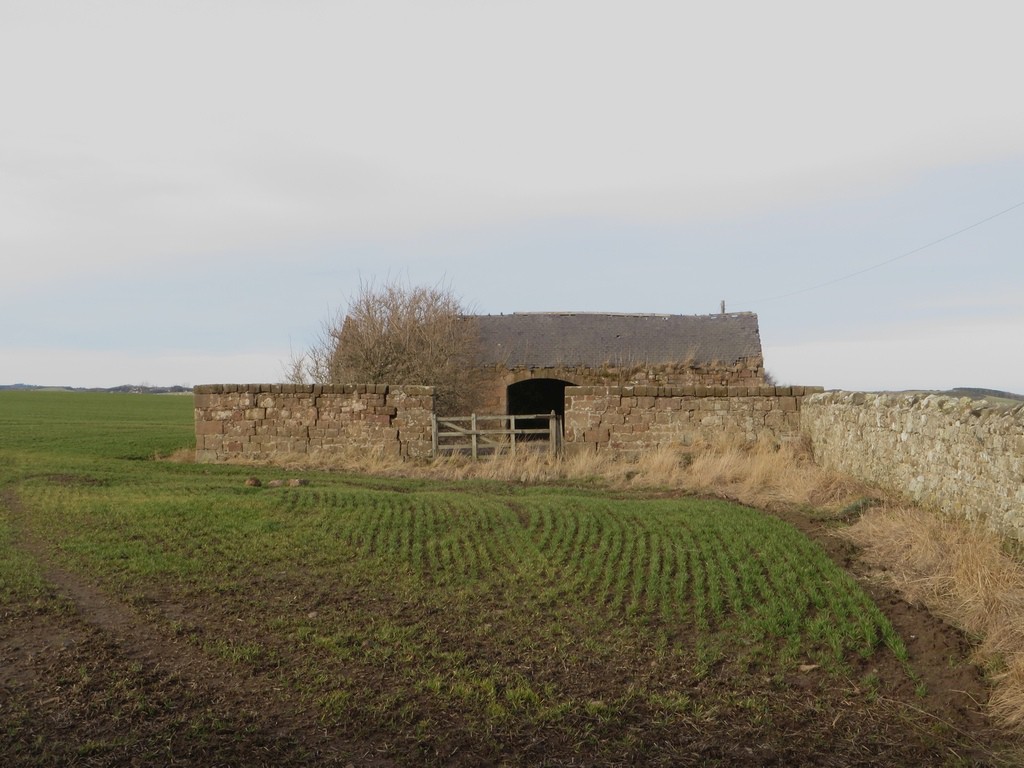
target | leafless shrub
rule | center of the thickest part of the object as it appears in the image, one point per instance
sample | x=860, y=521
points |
x=398, y=333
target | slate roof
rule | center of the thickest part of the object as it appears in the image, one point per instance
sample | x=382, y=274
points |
x=551, y=339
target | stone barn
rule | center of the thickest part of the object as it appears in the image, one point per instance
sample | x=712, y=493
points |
x=528, y=359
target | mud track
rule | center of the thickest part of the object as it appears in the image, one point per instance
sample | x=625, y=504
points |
x=54, y=663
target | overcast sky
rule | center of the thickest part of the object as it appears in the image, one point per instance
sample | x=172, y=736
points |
x=189, y=189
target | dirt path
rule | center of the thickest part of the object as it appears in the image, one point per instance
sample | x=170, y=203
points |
x=89, y=674
x=952, y=688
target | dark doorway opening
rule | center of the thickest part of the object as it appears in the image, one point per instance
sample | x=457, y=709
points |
x=537, y=396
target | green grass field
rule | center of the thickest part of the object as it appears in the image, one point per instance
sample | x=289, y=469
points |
x=454, y=623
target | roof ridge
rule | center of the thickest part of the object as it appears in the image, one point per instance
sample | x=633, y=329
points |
x=570, y=313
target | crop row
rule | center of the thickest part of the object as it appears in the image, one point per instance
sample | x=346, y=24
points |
x=710, y=565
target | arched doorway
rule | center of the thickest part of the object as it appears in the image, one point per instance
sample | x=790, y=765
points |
x=537, y=396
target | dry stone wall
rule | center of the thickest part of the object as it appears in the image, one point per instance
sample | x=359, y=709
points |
x=629, y=420
x=263, y=421
x=960, y=456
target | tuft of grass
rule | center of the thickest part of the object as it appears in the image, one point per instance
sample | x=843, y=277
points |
x=960, y=571
x=178, y=456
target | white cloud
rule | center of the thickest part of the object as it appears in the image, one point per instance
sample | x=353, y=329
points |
x=136, y=132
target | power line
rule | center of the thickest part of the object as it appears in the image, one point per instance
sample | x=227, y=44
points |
x=890, y=261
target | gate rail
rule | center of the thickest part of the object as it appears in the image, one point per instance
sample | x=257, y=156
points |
x=466, y=433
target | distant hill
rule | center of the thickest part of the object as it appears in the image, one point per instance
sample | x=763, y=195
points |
x=131, y=388
x=994, y=395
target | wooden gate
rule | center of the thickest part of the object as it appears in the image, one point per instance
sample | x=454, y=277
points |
x=489, y=435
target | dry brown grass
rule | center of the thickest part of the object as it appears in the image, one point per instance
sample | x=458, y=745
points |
x=763, y=475
x=361, y=461
x=959, y=571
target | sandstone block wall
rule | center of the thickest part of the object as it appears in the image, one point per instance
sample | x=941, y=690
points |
x=261, y=421
x=632, y=419
x=960, y=456
x=745, y=372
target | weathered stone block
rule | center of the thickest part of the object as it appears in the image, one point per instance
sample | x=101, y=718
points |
x=209, y=427
x=239, y=428
x=573, y=448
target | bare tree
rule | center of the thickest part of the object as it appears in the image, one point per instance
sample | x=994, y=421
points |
x=315, y=363
x=401, y=334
